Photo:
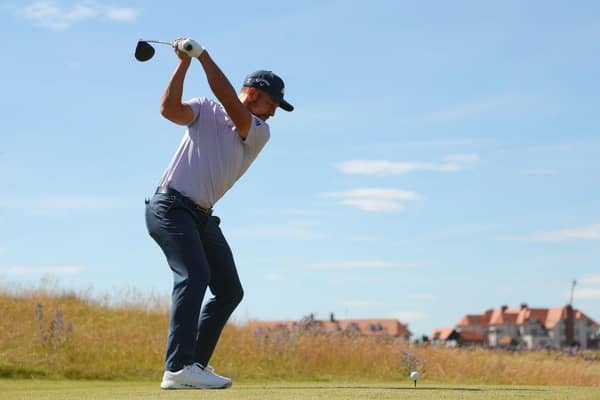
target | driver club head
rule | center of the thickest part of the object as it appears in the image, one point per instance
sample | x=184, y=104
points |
x=143, y=51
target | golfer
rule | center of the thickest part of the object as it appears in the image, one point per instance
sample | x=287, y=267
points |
x=220, y=142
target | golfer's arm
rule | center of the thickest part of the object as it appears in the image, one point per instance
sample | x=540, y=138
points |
x=221, y=87
x=171, y=106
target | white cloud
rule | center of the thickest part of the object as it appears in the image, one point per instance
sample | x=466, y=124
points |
x=591, y=232
x=52, y=15
x=359, y=264
x=374, y=199
x=462, y=158
x=26, y=271
x=374, y=205
x=590, y=287
x=409, y=316
x=590, y=279
x=275, y=277
x=121, y=14
x=450, y=163
x=587, y=293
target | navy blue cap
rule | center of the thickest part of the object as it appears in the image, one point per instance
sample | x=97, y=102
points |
x=270, y=83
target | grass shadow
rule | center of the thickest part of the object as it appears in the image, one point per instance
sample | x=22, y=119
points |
x=337, y=387
x=422, y=388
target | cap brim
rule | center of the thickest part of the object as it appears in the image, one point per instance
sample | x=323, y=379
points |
x=282, y=103
x=286, y=106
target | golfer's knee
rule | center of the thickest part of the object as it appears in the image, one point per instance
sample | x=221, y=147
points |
x=233, y=298
x=193, y=283
x=238, y=296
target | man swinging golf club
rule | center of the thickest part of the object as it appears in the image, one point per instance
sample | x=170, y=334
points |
x=219, y=144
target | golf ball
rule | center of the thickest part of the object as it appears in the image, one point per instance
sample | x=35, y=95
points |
x=414, y=375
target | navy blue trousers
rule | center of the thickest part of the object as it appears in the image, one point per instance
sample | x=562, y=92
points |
x=199, y=257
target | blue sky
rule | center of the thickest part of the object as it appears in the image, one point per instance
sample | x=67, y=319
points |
x=442, y=158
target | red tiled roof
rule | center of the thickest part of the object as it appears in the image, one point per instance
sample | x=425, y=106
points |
x=441, y=333
x=555, y=315
x=540, y=314
x=547, y=317
x=504, y=317
x=468, y=336
x=581, y=315
x=470, y=320
x=368, y=327
x=476, y=320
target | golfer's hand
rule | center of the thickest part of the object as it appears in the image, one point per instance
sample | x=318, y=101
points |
x=190, y=47
x=182, y=55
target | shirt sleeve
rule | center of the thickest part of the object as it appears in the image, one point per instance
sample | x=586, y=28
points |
x=196, y=104
x=258, y=134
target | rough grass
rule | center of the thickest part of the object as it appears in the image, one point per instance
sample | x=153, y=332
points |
x=52, y=334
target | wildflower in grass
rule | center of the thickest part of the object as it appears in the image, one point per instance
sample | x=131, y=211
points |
x=57, y=333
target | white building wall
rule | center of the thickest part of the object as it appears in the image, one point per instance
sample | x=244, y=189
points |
x=534, y=336
x=495, y=333
x=536, y=342
x=583, y=332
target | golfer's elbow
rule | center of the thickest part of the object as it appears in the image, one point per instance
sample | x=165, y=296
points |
x=165, y=110
x=180, y=114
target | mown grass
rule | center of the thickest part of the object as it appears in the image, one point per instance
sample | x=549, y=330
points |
x=52, y=334
x=101, y=390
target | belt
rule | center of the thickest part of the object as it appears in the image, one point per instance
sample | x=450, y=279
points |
x=188, y=202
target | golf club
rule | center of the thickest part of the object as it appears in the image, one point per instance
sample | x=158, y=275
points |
x=144, y=51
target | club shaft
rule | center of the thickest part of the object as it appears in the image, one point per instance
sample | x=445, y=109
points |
x=157, y=41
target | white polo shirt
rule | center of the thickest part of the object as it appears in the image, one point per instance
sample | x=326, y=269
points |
x=212, y=156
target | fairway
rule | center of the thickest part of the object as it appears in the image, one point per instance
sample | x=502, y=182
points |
x=102, y=390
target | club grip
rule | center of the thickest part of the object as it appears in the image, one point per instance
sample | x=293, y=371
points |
x=191, y=48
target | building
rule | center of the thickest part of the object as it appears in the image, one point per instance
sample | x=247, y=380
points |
x=386, y=327
x=452, y=337
x=532, y=328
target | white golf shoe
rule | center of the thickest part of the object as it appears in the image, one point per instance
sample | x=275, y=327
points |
x=194, y=376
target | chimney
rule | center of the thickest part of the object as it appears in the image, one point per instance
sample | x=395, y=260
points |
x=570, y=326
x=331, y=317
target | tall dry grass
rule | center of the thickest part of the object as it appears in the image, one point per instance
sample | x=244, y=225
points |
x=49, y=333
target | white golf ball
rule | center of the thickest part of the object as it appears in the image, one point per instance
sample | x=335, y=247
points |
x=414, y=375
